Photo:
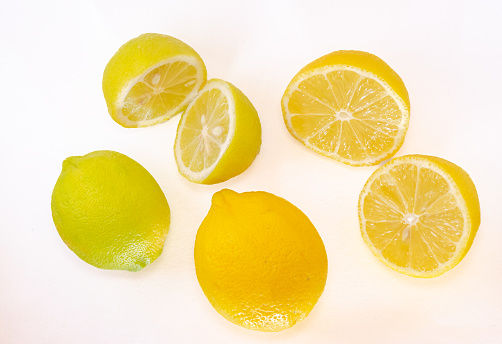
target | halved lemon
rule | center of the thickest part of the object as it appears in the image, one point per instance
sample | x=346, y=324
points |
x=419, y=214
x=150, y=79
x=349, y=106
x=219, y=135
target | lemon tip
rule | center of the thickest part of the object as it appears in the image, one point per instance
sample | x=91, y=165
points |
x=223, y=197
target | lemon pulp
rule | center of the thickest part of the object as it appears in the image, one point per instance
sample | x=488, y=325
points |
x=206, y=131
x=159, y=92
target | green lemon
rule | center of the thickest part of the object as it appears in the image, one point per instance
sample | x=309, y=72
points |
x=110, y=211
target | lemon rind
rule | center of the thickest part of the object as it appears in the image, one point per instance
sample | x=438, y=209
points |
x=462, y=244
x=198, y=177
x=119, y=103
x=398, y=139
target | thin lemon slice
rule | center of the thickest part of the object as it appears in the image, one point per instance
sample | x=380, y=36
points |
x=218, y=136
x=419, y=214
x=150, y=79
x=349, y=106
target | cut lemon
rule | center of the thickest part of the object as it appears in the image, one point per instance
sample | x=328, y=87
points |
x=419, y=214
x=349, y=106
x=218, y=136
x=150, y=79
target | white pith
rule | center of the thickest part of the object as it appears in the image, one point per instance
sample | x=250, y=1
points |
x=202, y=175
x=125, y=91
x=346, y=115
x=453, y=190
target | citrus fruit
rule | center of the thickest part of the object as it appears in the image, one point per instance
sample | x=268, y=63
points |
x=110, y=211
x=259, y=260
x=219, y=135
x=419, y=214
x=150, y=79
x=349, y=106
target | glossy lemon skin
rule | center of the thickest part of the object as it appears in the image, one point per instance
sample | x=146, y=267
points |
x=259, y=260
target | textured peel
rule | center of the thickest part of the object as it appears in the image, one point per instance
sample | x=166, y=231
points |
x=259, y=260
x=110, y=211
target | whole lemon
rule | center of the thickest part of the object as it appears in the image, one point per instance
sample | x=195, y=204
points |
x=259, y=260
x=110, y=211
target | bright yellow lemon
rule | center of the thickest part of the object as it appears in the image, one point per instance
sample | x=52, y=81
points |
x=349, y=106
x=150, y=79
x=218, y=136
x=419, y=214
x=259, y=260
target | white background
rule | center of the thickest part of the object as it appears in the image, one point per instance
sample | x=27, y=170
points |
x=51, y=61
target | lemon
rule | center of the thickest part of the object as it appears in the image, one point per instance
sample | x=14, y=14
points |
x=150, y=79
x=259, y=260
x=349, y=106
x=419, y=214
x=110, y=211
x=219, y=135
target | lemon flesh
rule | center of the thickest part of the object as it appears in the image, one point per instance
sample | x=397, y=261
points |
x=349, y=106
x=150, y=79
x=110, y=211
x=219, y=135
x=259, y=260
x=419, y=214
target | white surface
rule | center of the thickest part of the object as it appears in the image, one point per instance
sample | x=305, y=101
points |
x=51, y=62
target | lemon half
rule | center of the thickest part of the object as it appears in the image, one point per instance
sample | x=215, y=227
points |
x=349, y=106
x=419, y=214
x=150, y=79
x=219, y=135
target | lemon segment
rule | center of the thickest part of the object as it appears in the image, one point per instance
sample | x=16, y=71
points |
x=349, y=106
x=218, y=136
x=150, y=79
x=419, y=214
x=259, y=260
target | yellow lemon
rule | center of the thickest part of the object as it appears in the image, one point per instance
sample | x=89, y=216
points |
x=110, y=211
x=259, y=260
x=349, y=106
x=219, y=135
x=150, y=79
x=419, y=214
